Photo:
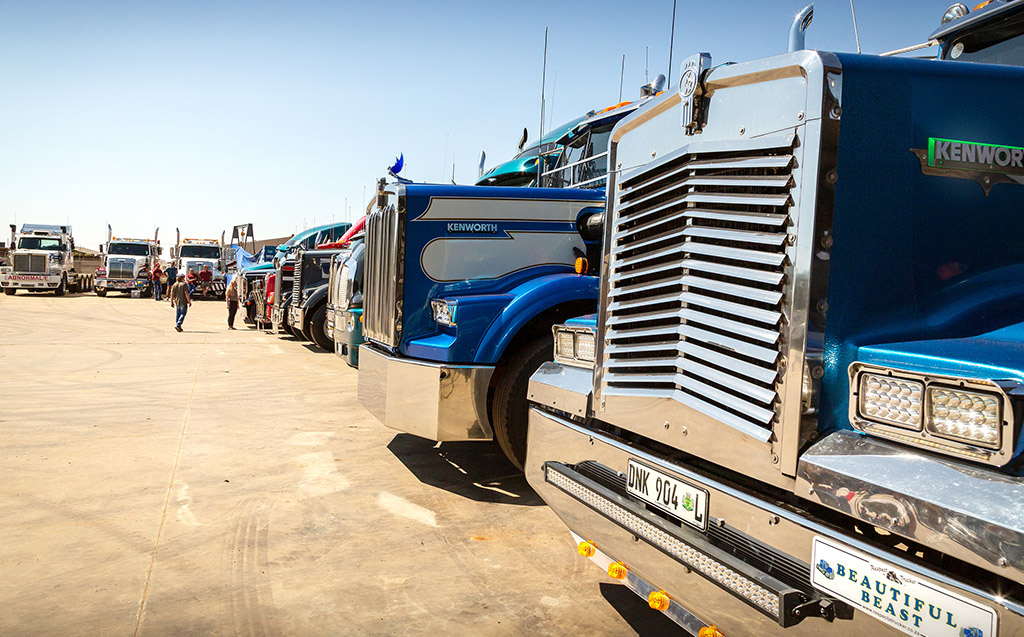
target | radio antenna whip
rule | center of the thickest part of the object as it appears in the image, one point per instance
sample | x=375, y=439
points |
x=671, y=44
x=856, y=34
x=622, y=74
x=543, y=83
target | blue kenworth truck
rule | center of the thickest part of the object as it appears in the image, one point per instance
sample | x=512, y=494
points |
x=798, y=409
x=463, y=283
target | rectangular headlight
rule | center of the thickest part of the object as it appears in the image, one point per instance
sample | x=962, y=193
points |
x=565, y=344
x=585, y=345
x=894, y=401
x=444, y=312
x=972, y=417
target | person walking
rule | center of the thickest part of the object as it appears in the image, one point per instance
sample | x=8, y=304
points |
x=158, y=286
x=181, y=298
x=232, y=297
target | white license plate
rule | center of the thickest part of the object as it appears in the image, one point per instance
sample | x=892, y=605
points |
x=895, y=597
x=685, y=501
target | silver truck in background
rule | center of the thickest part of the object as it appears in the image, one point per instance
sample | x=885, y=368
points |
x=195, y=254
x=42, y=258
x=127, y=264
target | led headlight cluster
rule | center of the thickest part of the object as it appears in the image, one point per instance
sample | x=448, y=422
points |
x=575, y=345
x=891, y=400
x=970, y=418
x=964, y=415
x=444, y=311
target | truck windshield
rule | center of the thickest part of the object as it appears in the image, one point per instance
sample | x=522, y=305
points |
x=200, y=252
x=1000, y=43
x=130, y=249
x=39, y=243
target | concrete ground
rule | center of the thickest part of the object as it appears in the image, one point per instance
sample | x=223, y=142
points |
x=229, y=483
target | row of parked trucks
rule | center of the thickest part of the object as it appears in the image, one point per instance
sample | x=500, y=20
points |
x=757, y=339
x=41, y=258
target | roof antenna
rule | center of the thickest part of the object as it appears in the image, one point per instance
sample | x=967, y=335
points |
x=647, y=64
x=543, y=84
x=856, y=34
x=622, y=74
x=671, y=44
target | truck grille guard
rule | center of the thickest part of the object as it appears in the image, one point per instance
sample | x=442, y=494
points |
x=30, y=263
x=697, y=281
x=384, y=272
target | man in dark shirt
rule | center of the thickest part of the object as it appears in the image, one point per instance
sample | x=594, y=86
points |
x=181, y=298
x=172, y=276
x=205, y=280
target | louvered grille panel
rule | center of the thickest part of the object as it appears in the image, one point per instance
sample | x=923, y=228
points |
x=697, y=284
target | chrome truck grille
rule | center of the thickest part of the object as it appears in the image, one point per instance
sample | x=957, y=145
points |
x=35, y=263
x=297, y=279
x=384, y=268
x=697, y=284
x=121, y=269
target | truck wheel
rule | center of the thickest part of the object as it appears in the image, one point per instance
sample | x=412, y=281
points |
x=62, y=288
x=101, y=291
x=10, y=291
x=510, y=410
x=318, y=329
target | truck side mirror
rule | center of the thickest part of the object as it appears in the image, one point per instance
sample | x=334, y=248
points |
x=174, y=253
x=101, y=248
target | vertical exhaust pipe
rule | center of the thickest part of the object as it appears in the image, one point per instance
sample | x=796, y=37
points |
x=798, y=30
x=110, y=233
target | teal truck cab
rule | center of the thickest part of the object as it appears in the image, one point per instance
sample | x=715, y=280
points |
x=798, y=409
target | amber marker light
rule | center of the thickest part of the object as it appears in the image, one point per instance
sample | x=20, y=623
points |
x=586, y=549
x=617, y=570
x=581, y=265
x=710, y=631
x=659, y=600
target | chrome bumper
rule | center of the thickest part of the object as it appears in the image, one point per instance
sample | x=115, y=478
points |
x=329, y=322
x=429, y=400
x=969, y=512
x=625, y=531
x=296, y=317
x=29, y=280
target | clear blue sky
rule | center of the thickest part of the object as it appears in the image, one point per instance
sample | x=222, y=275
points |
x=202, y=115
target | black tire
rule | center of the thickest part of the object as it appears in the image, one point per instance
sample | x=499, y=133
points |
x=509, y=412
x=10, y=291
x=318, y=329
x=100, y=292
x=62, y=289
x=291, y=331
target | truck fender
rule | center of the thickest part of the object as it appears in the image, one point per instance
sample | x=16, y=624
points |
x=315, y=298
x=531, y=300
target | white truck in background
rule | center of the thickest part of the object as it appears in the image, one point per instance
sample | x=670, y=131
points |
x=127, y=264
x=195, y=254
x=42, y=258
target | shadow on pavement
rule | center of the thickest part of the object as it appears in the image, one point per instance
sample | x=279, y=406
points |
x=638, y=614
x=315, y=349
x=475, y=470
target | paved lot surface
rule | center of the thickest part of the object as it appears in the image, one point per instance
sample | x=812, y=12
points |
x=228, y=483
